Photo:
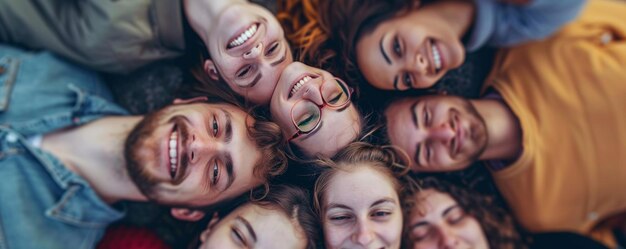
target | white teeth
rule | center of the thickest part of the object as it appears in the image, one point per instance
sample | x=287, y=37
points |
x=244, y=36
x=436, y=57
x=300, y=83
x=173, y=150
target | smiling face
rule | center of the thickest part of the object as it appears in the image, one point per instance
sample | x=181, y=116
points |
x=409, y=51
x=439, y=133
x=300, y=93
x=193, y=154
x=249, y=50
x=253, y=226
x=361, y=210
x=437, y=221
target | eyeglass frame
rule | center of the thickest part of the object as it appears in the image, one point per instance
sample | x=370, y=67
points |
x=320, y=107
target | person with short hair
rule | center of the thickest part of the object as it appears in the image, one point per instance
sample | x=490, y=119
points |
x=70, y=155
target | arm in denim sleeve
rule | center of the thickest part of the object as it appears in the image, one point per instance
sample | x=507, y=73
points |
x=502, y=24
x=106, y=35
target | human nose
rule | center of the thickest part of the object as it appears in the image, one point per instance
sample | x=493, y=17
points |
x=364, y=235
x=449, y=239
x=254, y=52
x=201, y=146
x=419, y=63
x=312, y=93
x=443, y=133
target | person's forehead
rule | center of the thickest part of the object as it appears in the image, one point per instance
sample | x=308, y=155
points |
x=344, y=184
x=431, y=202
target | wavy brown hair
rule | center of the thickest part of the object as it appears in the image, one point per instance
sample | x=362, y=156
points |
x=499, y=227
x=383, y=159
x=323, y=33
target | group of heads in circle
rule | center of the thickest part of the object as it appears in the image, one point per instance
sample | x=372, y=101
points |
x=362, y=196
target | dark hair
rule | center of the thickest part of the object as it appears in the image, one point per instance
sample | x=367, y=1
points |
x=498, y=225
x=324, y=33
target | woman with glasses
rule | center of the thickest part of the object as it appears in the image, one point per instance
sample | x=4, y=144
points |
x=315, y=111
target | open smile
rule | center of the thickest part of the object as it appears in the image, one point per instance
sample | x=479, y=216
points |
x=173, y=149
x=299, y=82
x=243, y=36
x=459, y=135
x=436, y=59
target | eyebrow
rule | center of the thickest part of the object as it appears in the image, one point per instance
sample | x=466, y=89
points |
x=229, y=170
x=382, y=50
x=415, y=119
x=445, y=212
x=273, y=64
x=381, y=201
x=254, y=81
x=248, y=227
x=228, y=134
x=337, y=205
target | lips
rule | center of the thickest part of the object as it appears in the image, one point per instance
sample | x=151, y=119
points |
x=459, y=135
x=299, y=83
x=242, y=37
x=173, y=151
x=436, y=57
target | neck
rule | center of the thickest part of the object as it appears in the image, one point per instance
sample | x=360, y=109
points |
x=202, y=15
x=95, y=151
x=504, y=140
x=458, y=13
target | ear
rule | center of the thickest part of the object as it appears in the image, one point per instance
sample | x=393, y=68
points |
x=205, y=234
x=187, y=214
x=211, y=70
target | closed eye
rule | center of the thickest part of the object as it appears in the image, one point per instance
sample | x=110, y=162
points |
x=244, y=71
x=272, y=49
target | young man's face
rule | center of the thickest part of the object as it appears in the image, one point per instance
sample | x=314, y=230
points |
x=193, y=154
x=249, y=50
x=439, y=133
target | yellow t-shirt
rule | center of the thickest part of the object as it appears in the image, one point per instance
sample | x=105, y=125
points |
x=569, y=94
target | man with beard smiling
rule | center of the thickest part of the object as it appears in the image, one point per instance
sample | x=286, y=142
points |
x=68, y=155
x=550, y=127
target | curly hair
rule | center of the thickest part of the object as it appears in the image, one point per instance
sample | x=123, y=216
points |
x=498, y=225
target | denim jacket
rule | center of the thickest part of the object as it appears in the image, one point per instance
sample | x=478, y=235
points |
x=45, y=205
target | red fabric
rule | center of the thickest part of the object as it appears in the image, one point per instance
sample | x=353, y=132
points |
x=131, y=238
